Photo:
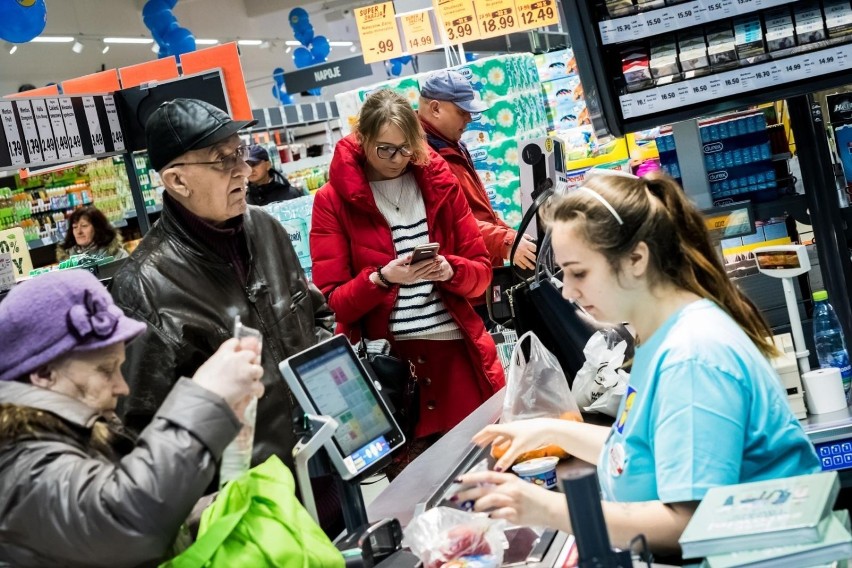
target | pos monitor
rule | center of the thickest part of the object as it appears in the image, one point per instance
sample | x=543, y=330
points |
x=329, y=379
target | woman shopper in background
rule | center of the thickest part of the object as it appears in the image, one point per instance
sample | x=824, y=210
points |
x=387, y=193
x=703, y=408
x=76, y=489
x=89, y=232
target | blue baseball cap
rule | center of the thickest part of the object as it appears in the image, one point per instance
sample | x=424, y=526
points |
x=257, y=154
x=449, y=85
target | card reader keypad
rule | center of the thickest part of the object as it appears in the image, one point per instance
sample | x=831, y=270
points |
x=835, y=455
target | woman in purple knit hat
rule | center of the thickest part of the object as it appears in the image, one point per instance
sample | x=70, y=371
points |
x=76, y=490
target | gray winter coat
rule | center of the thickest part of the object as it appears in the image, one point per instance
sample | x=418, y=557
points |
x=73, y=493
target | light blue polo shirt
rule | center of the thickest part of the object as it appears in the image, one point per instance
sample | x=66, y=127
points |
x=703, y=408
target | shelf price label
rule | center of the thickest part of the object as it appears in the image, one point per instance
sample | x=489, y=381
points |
x=95, y=133
x=536, y=13
x=378, y=32
x=45, y=132
x=31, y=139
x=114, y=125
x=58, y=125
x=417, y=29
x=13, y=138
x=496, y=17
x=72, y=131
x=458, y=20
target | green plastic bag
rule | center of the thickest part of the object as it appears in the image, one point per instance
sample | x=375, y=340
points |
x=257, y=521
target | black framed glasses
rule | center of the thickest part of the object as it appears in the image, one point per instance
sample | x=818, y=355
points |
x=225, y=163
x=386, y=152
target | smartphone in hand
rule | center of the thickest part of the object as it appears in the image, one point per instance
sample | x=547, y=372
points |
x=424, y=252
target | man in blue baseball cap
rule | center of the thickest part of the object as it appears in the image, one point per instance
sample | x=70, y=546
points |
x=447, y=103
x=266, y=184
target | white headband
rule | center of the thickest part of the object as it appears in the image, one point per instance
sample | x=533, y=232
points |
x=604, y=202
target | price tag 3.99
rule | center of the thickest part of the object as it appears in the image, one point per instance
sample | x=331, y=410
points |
x=458, y=20
x=10, y=128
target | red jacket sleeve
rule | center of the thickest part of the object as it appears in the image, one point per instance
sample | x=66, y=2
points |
x=497, y=234
x=469, y=260
x=349, y=295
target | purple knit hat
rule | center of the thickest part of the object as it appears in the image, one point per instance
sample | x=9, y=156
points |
x=56, y=313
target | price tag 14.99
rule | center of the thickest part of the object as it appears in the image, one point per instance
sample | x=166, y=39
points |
x=31, y=140
x=114, y=124
x=10, y=128
x=45, y=132
x=417, y=29
x=94, y=125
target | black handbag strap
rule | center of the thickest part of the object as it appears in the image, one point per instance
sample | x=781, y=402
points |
x=545, y=191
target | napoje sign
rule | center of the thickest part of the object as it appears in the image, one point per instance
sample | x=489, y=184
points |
x=378, y=32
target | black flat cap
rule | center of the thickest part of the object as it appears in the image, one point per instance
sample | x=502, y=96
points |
x=181, y=125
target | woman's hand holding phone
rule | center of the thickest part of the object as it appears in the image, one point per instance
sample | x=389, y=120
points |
x=401, y=271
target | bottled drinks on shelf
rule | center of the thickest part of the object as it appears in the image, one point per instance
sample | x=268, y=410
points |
x=828, y=338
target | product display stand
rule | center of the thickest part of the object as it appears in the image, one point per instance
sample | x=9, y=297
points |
x=136, y=193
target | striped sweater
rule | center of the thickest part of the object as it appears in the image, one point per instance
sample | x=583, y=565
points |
x=419, y=311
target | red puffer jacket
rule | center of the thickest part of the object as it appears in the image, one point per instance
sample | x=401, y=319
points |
x=350, y=238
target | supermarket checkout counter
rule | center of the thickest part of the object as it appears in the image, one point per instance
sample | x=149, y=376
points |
x=831, y=435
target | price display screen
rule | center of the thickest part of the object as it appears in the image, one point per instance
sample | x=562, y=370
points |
x=378, y=32
x=458, y=20
x=417, y=29
x=496, y=17
x=778, y=260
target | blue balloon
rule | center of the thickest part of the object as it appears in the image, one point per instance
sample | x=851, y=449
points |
x=297, y=16
x=315, y=92
x=320, y=48
x=468, y=56
x=22, y=23
x=281, y=95
x=278, y=75
x=153, y=6
x=302, y=57
x=180, y=41
x=160, y=35
x=396, y=68
x=305, y=36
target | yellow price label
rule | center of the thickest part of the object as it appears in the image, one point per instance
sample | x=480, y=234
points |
x=536, y=13
x=496, y=17
x=717, y=223
x=378, y=32
x=458, y=20
x=417, y=29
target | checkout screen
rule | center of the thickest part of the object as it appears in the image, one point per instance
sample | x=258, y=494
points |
x=339, y=389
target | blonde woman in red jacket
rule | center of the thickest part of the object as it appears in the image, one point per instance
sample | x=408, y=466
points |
x=387, y=193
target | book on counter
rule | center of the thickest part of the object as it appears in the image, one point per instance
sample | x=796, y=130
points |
x=836, y=544
x=762, y=514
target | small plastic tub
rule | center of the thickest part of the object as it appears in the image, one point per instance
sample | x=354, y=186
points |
x=541, y=471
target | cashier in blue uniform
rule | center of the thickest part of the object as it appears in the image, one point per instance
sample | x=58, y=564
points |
x=703, y=408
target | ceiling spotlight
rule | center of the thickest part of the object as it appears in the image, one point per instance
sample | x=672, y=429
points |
x=155, y=48
x=77, y=47
x=105, y=49
x=13, y=49
x=293, y=43
x=352, y=48
x=288, y=50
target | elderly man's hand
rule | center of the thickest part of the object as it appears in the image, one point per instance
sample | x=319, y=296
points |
x=233, y=373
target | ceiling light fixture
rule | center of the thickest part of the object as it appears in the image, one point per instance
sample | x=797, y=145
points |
x=105, y=49
x=293, y=43
x=340, y=43
x=353, y=49
x=249, y=42
x=52, y=39
x=265, y=45
x=77, y=47
x=206, y=41
x=139, y=40
x=288, y=50
x=155, y=48
x=13, y=49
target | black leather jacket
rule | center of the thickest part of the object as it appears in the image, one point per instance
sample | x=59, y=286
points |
x=189, y=296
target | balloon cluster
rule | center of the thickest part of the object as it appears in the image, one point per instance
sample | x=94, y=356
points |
x=396, y=65
x=22, y=20
x=169, y=35
x=279, y=91
x=315, y=49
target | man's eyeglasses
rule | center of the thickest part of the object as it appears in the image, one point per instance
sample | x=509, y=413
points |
x=386, y=152
x=225, y=163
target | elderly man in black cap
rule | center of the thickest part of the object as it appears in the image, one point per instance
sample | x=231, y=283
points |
x=208, y=259
x=266, y=184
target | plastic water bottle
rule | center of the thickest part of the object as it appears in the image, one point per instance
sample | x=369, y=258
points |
x=236, y=459
x=828, y=337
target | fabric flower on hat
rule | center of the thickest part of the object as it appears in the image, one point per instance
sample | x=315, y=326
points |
x=93, y=318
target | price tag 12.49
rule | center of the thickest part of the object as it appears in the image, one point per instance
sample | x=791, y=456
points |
x=58, y=124
x=496, y=17
x=13, y=139
x=45, y=132
x=417, y=29
x=72, y=129
x=378, y=32
x=31, y=140
x=114, y=124
x=458, y=20
x=94, y=125
x=537, y=13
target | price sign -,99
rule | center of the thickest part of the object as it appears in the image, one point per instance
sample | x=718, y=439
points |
x=537, y=13
x=378, y=32
x=417, y=29
x=458, y=19
x=496, y=17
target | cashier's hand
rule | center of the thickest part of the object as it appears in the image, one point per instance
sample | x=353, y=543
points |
x=520, y=437
x=525, y=255
x=506, y=496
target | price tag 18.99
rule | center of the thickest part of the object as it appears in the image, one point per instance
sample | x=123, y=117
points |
x=31, y=140
x=417, y=29
x=72, y=130
x=114, y=124
x=10, y=128
x=94, y=125
x=536, y=13
x=496, y=17
x=378, y=32
x=45, y=132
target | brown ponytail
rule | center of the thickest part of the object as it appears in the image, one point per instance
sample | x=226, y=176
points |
x=655, y=210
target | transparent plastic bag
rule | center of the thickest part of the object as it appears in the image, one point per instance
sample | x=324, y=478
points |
x=442, y=536
x=536, y=388
x=601, y=383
